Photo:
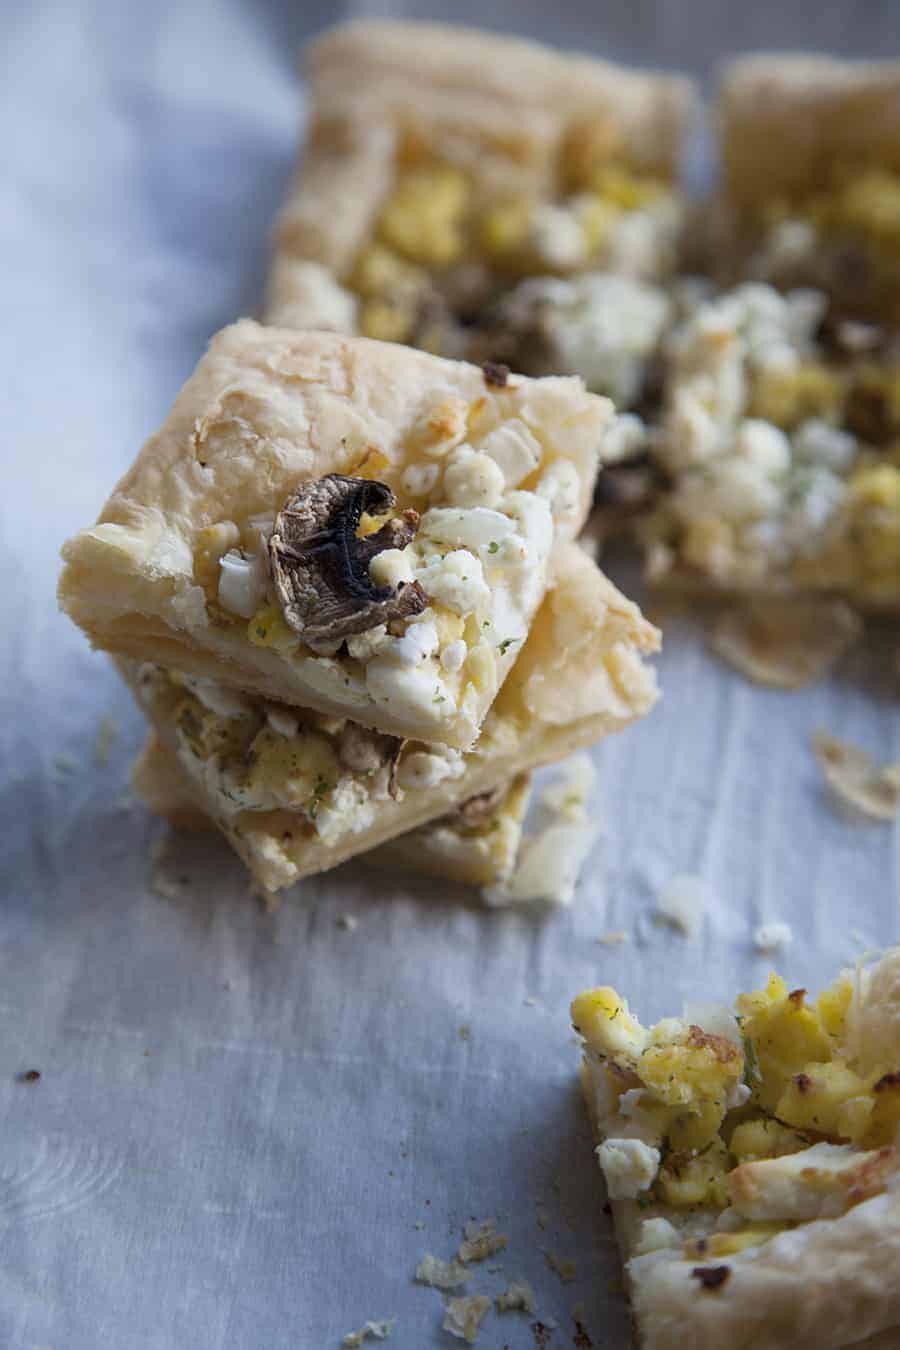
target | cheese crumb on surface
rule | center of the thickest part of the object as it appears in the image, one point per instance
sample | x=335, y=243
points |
x=347, y=921
x=465, y=1316
x=681, y=903
x=439, y=1274
x=612, y=939
x=518, y=1296
x=378, y=1331
x=480, y=1241
x=771, y=937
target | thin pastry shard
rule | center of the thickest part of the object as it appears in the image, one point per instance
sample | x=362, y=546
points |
x=297, y=793
x=441, y=497
x=753, y=1163
x=483, y=197
x=786, y=643
x=855, y=778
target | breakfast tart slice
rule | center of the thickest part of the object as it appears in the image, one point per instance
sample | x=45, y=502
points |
x=342, y=525
x=484, y=197
x=752, y=1163
x=296, y=792
x=810, y=148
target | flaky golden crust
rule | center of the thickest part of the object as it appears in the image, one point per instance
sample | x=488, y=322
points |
x=500, y=104
x=784, y=121
x=580, y=676
x=266, y=411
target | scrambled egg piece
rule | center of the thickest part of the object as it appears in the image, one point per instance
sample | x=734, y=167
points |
x=791, y=395
x=422, y=220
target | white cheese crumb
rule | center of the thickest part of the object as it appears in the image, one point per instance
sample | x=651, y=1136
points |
x=439, y=1274
x=771, y=937
x=681, y=903
x=472, y=479
x=629, y=1166
x=656, y=1234
x=425, y=768
x=465, y=1316
x=481, y=1241
x=282, y=722
x=390, y=567
x=347, y=921
x=420, y=479
x=242, y=583
x=453, y=656
x=515, y=450
x=456, y=581
x=518, y=1296
x=379, y=1331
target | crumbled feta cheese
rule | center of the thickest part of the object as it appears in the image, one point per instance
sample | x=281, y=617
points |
x=763, y=445
x=515, y=450
x=771, y=937
x=457, y=582
x=420, y=479
x=626, y=437
x=242, y=583
x=560, y=485
x=453, y=656
x=425, y=768
x=655, y=1235
x=441, y=1274
x=416, y=691
x=473, y=479
x=629, y=1166
x=824, y=444
x=681, y=903
x=391, y=567
x=474, y=528
x=418, y=643
x=347, y=810
x=363, y=646
x=557, y=237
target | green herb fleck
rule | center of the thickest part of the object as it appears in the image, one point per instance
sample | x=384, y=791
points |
x=493, y=546
x=506, y=644
x=322, y=788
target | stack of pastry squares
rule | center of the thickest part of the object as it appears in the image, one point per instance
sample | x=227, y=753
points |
x=342, y=583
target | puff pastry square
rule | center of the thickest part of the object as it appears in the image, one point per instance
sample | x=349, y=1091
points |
x=811, y=157
x=752, y=1162
x=476, y=196
x=344, y=525
x=297, y=792
x=476, y=845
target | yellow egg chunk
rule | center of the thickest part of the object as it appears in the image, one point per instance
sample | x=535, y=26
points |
x=687, y=1182
x=786, y=1035
x=267, y=628
x=300, y=769
x=813, y=1098
x=833, y=1005
x=884, y=1121
x=728, y=1244
x=603, y=1019
x=697, y=1069
x=789, y=396
x=764, y=1138
x=422, y=220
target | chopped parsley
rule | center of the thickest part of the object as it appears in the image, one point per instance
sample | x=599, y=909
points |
x=322, y=788
x=493, y=546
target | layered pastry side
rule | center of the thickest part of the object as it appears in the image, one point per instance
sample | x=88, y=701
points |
x=751, y=1161
x=342, y=525
x=297, y=791
x=475, y=845
x=486, y=198
x=811, y=179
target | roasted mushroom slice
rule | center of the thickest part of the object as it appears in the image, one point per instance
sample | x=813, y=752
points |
x=321, y=568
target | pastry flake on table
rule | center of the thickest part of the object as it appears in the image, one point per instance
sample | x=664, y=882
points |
x=297, y=793
x=343, y=525
x=752, y=1162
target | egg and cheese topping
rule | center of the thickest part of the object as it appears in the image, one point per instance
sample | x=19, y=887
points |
x=782, y=463
x=489, y=493
x=737, y=1126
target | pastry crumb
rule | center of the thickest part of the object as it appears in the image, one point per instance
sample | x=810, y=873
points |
x=856, y=779
x=465, y=1315
x=480, y=1240
x=64, y=765
x=566, y=1270
x=771, y=937
x=439, y=1274
x=786, y=644
x=105, y=739
x=542, y=1216
x=614, y=939
x=464, y=1032
x=681, y=903
x=518, y=1296
x=378, y=1331
x=348, y=922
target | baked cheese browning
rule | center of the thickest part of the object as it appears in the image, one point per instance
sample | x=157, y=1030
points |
x=781, y=454
x=297, y=792
x=811, y=153
x=741, y=1125
x=496, y=201
x=342, y=525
